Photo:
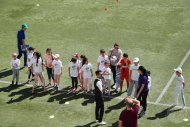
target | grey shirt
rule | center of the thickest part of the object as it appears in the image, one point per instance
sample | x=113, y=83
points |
x=117, y=54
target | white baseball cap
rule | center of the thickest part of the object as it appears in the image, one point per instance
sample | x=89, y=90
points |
x=57, y=56
x=178, y=70
x=136, y=59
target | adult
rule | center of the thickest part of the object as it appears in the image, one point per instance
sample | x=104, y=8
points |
x=142, y=90
x=115, y=55
x=129, y=116
x=102, y=59
x=21, y=43
x=125, y=63
x=99, y=111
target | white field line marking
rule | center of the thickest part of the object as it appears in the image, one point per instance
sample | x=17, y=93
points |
x=172, y=78
x=111, y=97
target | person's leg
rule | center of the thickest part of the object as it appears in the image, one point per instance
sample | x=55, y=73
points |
x=140, y=97
x=177, y=96
x=42, y=79
x=183, y=98
x=35, y=82
x=89, y=86
x=29, y=74
x=130, y=89
x=121, y=82
x=52, y=74
x=101, y=112
x=97, y=109
x=127, y=80
x=25, y=58
x=136, y=86
x=17, y=76
x=144, y=100
x=113, y=69
x=49, y=75
x=14, y=76
x=108, y=85
x=85, y=84
x=76, y=83
x=73, y=82
x=19, y=52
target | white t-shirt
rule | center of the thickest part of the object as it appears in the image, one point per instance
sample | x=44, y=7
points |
x=29, y=61
x=135, y=73
x=86, y=69
x=149, y=82
x=101, y=61
x=57, y=65
x=37, y=67
x=99, y=85
x=73, y=69
x=106, y=70
x=179, y=81
x=15, y=64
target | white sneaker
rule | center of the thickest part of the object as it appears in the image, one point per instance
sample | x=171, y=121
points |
x=114, y=86
x=102, y=123
x=184, y=107
x=96, y=121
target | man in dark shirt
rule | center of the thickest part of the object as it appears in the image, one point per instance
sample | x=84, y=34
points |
x=21, y=43
x=99, y=111
x=129, y=116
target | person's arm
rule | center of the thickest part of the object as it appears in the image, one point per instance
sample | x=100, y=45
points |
x=98, y=66
x=61, y=70
x=91, y=72
x=120, y=123
x=141, y=89
x=69, y=71
x=183, y=85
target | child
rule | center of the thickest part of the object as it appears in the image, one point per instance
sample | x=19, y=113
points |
x=117, y=79
x=134, y=77
x=38, y=71
x=125, y=73
x=73, y=70
x=87, y=74
x=57, y=67
x=48, y=64
x=107, y=76
x=15, y=65
x=180, y=85
x=80, y=66
x=102, y=59
x=29, y=63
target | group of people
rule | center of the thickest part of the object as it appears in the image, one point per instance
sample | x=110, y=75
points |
x=115, y=63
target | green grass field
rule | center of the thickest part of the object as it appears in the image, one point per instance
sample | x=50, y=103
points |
x=156, y=31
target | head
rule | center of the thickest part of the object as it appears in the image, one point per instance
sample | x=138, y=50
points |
x=37, y=55
x=14, y=56
x=129, y=103
x=116, y=46
x=136, y=61
x=125, y=56
x=106, y=64
x=31, y=49
x=102, y=52
x=142, y=70
x=76, y=55
x=74, y=60
x=98, y=74
x=82, y=57
x=24, y=27
x=85, y=60
x=57, y=56
x=148, y=73
x=178, y=71
x=48, y=51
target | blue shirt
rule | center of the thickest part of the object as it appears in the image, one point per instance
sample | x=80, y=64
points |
x=143, y=79
x=20, y=37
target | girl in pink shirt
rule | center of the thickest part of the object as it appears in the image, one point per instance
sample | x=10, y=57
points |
x=48, y=64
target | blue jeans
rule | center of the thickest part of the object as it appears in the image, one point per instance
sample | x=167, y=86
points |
x=20, y=52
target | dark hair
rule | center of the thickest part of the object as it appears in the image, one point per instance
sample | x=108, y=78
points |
x=118, y=66
x=144, y=71
x=125, y=55
x=102, y=51
x=48, y=49
x=148, y=73
x=84, y=61
x=98, y=72
x=38, y=55
x=74, y=60
x=116, y=44
x=31, y=49
x=82, y=56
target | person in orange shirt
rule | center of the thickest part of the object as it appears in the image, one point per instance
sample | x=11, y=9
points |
x=125, y=71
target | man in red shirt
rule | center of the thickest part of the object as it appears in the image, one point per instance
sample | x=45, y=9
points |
x=125, y=71
x=129, y=116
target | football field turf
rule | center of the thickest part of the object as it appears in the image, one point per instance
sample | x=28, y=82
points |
x=156, y=31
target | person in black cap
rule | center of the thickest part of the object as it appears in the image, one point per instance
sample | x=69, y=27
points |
x=99, y=111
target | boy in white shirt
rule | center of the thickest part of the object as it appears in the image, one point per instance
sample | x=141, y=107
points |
x=87, y=74
x=102, y=59
x=15, y=65
x=29, y=63
x=134, y=77
x=180, y=85
x=107, y=77
x=73, y=70
x=57, y=68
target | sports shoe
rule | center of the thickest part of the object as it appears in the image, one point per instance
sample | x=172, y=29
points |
x=184, y=107
x=102, y=123
x=96, y=121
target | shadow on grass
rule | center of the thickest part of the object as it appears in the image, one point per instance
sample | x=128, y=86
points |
x=164, y=113
x=118, y=106
x=87, y=125
x=10, y=87
x=6, y=72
